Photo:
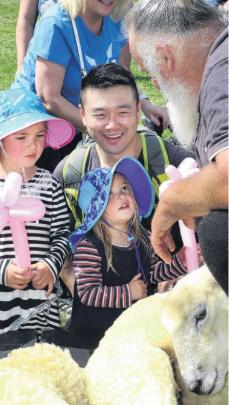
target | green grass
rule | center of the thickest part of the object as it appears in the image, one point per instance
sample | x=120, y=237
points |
x=8, y=17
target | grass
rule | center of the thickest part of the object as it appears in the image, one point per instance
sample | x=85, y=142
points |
x=8, y=17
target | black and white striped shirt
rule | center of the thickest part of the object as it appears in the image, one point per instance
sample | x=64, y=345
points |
x=48, y=241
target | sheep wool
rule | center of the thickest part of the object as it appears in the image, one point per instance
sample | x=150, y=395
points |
x=54, y=367
x=131, y=365
x=19, y=387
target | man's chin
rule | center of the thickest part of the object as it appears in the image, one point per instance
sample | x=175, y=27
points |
x=184, y=123
x=187, y=140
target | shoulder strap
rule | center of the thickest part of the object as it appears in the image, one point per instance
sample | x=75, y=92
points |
x=155, y=158
x=73, y=171
x=77, y=39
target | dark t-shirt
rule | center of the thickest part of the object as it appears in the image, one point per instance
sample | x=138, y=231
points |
x=212, y=133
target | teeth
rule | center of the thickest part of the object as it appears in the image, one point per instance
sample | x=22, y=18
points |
x=112, y=136
x=106, y=2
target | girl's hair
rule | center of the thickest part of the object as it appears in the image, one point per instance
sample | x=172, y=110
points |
x=101, y=230
x=78, y=7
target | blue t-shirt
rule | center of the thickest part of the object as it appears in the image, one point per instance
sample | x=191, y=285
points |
x=44, y=4
x=54, y=41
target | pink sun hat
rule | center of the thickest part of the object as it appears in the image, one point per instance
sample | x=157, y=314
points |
x=21, y=108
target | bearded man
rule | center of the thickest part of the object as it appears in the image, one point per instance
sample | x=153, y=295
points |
x=183, y=45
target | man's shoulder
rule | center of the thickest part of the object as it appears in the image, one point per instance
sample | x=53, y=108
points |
x=164, y=149
x=218, y=55
x=75, y=164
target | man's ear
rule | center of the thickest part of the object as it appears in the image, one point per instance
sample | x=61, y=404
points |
x=166, y=60
x=82, y=114
x=139, y=111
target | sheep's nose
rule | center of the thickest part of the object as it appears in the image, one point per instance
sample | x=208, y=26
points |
x=197, y=387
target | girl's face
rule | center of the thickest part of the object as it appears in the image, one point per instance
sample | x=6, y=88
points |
x=24, y=147
x=121, y=206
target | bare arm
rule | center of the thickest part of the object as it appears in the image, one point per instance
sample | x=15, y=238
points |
x=125, y=56
x=26, y=21
x=49, y=81
x=190, y=197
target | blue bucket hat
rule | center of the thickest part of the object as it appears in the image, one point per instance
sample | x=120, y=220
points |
x=95, y=190
x=20, y=108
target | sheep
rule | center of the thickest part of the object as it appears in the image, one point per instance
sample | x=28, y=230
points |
x=128, y=366
x=156, y=353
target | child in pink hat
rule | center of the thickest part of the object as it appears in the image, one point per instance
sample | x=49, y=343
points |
x=29, y=295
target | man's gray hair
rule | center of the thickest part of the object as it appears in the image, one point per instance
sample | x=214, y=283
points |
x=181, y=18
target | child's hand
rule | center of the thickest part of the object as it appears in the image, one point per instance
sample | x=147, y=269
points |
x=17, y=277
x=42, y=277
x=181, y=256
x=138, y=289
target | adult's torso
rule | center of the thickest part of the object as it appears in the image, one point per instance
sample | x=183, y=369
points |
x=212, y=132
x=54, y=41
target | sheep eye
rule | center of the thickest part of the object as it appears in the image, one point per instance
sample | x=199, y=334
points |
x=201, y=315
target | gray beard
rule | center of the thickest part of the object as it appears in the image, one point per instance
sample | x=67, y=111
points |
x=182, y=109
x=181, y=102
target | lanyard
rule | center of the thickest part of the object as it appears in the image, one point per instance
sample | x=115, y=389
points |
x=76, y=34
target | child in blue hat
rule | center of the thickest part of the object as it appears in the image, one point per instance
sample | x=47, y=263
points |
x=114, y=263
x=28, y=295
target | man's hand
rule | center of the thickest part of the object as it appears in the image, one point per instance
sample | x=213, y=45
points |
x=42, y=277
x=17, y=277
x=155, y=113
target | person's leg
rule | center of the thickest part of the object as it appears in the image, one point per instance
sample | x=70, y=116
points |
x=213, y=240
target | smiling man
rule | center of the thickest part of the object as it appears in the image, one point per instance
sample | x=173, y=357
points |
x=110, y=109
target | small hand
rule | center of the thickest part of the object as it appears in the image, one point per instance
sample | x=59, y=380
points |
x=17, y=277
x=138, y=289
x=42, y=277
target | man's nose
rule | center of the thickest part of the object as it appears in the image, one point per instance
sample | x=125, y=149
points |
x=112, y=122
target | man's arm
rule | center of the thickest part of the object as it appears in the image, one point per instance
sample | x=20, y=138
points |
x=193, y=196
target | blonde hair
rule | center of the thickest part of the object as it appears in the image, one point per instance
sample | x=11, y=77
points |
x=101, y=230
x=78, y=7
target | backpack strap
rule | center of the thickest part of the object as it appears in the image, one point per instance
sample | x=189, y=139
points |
x=73, y=171
x=155, y=158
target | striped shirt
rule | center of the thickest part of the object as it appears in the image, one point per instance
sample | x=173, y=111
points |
x=89, y=278
x=48, y=242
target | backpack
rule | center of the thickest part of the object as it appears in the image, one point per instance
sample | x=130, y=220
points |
x=155, y=159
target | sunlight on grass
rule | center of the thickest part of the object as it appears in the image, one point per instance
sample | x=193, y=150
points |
x=8, y=13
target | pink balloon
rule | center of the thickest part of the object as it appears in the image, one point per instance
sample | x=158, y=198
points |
x=15, y=210
x=11, y=189
x=186, y=168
